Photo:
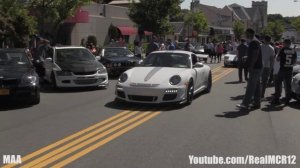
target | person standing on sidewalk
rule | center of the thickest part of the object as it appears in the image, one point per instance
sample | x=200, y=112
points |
x=241, y=53
x=254, y=66
x=287, y=58
x=268, y=54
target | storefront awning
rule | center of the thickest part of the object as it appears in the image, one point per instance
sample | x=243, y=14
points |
x=126, y=30
x=81, y=16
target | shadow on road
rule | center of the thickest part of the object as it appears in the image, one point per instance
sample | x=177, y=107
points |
x=235, y=98
x=234, y=82
x=233, y=114
x=8, y=105
x=46, y=88
x=122, y=105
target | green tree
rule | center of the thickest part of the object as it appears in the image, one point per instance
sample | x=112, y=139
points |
x=54, y=12
x=238, y=29
x=296, y=23
x=152, y=15
x=197, y=20
x=15, y=23
x=274, y=29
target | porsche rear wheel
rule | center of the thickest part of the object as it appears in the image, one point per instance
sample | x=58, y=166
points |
x=190, y=93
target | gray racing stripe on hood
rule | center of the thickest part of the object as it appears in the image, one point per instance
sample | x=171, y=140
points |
x=152, y=73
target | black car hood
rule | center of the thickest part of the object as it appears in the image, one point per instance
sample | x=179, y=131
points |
x=80, y=66
x=119, y=59
x=14, y=72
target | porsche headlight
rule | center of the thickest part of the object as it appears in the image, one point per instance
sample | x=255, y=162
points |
x=123, y=78
x=29, y=80
x=174, y=80
x=63, y=73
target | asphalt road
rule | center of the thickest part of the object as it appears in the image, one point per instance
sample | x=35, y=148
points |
x=85, y=128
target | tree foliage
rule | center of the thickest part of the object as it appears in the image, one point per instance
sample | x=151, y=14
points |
x=15, y=23
x=274, y=29
x=197, y=20
x=54, y=11
x=238, y=29
x=152, y=15
x=296, y=23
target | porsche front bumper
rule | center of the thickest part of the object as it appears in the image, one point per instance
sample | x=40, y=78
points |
x=152, y=95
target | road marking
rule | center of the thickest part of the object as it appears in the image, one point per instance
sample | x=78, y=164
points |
x=215, y=69
x=77, y=141
x=222, y=75
x=70, y=137
x=58, y=156
x=104, y=141
x=82, y=142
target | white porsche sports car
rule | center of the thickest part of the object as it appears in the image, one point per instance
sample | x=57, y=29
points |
x=164, y=77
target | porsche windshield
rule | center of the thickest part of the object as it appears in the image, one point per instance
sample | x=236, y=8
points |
x=13, y=58
x=176, y=60
x=117, y=52
x=73, y=55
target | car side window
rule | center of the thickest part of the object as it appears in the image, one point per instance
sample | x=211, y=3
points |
x=194, y=59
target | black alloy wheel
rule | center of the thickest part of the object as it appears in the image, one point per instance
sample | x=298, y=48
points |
x=190, y=93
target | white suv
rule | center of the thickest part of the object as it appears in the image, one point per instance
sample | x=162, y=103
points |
x=74, y=67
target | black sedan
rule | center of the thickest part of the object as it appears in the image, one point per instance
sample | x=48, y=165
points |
x=18, y=79
x=118, y=59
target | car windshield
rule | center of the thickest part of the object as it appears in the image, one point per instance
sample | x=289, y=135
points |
x=73, y=55
x=13, y=58
x=117, y=52
x=176, y=60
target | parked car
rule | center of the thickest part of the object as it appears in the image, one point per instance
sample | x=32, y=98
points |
x=164, y=77
x=296, y=83
x=230, y=59
x=118, y=59
x=197, y=49
x=74, y=67
x=18, y=79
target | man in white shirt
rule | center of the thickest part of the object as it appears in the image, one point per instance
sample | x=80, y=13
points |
x=268, y=54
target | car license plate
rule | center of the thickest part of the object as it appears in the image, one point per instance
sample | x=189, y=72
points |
x=4, y=91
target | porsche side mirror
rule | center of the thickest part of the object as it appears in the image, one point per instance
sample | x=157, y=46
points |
x=198, y=65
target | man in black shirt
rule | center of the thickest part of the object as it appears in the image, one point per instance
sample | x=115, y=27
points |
x=287, y=58
x=254, y=66
x=241, y=54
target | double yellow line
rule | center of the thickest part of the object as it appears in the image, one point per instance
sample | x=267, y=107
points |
x=87, y=140
x=81, y=143
x=220, y=72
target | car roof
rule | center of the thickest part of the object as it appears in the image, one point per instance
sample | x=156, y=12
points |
x=69, y=47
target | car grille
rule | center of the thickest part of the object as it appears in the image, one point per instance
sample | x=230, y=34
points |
x=143, y=98
x=8, y=82
x=85, y=81
x=84, y=73
x=168, y=97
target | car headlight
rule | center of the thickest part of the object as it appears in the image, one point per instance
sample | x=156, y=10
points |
x=102, y=71
x=29, y=80
x=63, y=73
x=174, y=80
x=123, y=78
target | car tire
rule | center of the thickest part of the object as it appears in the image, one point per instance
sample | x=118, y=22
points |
x=190, y=93
x=35, y=99
x=209, y=83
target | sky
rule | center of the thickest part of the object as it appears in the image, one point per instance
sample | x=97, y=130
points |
x=283, y=7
